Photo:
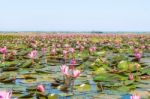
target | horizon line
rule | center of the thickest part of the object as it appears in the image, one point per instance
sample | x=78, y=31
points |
x=65, y=31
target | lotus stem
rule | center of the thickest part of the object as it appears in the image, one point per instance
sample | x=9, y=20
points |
x=4, y=57
x=33, y=61
x=72, y=85
x=67, y=81
x=101, y=86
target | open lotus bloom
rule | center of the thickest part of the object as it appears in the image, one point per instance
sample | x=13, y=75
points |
x=3, y=50
x=5, y=94
x=72, y=50
x=76, y=73
x=40, y=88
x=65, y=52
x=143, y=47
x=53, y=51
x=33, y=54
x=92, y=49
x=64, y=69
x=135, y=97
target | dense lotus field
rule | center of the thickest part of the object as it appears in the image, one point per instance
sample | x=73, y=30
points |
x=75, y=66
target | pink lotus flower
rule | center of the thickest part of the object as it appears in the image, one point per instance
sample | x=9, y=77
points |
x=81, y=48
x=143, y=47
x=3, y=50
x=92, y=49
x=64, y=69
x=73, y=61
x=43, y=51
x=65, y=53
x=76, y=73
x=5, y=94
x=40, y=88
x=131, y=77
x=53, y=51
x=72, y=50
x=32, y=54
x=138, y=56
x=78, y=43
x=134, y=97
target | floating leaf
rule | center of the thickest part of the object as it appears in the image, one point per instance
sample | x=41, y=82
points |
x=27, y=64
x=53, y=96
x=101, y=78
x=127, y=66
x=83, y=87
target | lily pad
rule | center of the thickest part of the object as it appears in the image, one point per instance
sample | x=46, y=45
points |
x=127, y=66
x=53, y=96
x=27, y=64
x=83, y=87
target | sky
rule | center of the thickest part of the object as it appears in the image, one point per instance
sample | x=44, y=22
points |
x=74, y=15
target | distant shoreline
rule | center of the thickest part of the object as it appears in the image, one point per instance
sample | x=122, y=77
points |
x=80, y=32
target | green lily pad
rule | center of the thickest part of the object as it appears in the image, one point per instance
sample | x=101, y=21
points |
x=128, y=82
x=102, y=53
x=13, y=87
x=83, y=87
x=27, y=64
x=101, y=78
x=123, y=89
x=9, y=64
x=146, y=71
x=66, y=94
x=53, y=96
x=100, y=70
x=28, y=95
x=127, y=66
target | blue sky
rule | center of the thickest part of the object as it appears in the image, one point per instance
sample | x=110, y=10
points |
x=74, y=15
